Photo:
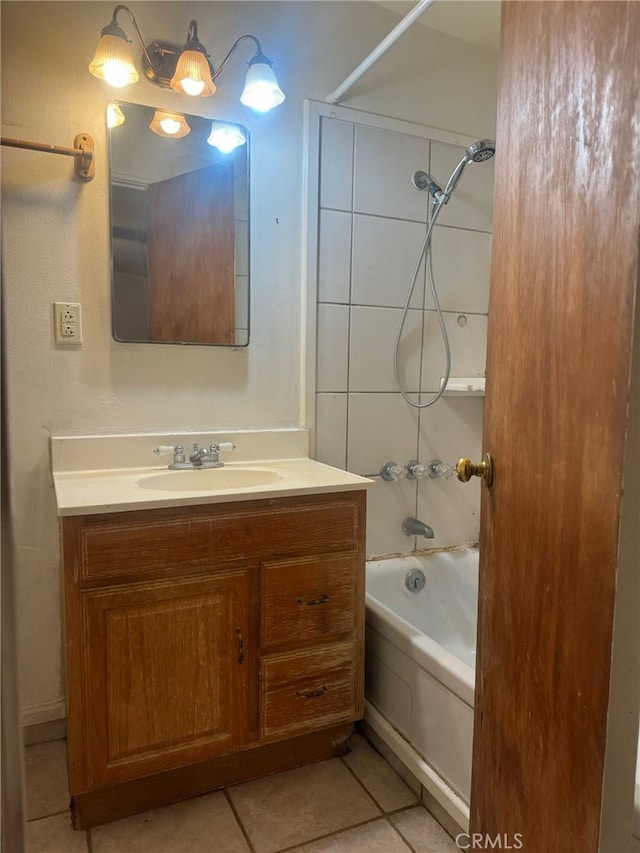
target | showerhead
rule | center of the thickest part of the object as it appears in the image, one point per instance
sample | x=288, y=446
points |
x=482, y=150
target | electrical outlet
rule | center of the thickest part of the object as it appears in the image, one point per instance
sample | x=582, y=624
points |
x=67, y=322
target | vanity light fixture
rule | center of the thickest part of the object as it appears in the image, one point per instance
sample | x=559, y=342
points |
x=184, y=69
x=226, y=137
x=171, y=125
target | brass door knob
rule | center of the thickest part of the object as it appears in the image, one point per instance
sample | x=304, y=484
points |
x=466, y=469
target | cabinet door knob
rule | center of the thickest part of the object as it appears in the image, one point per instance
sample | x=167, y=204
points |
x=322, y=600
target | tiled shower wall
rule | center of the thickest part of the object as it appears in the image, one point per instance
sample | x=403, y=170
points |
x=371, y=228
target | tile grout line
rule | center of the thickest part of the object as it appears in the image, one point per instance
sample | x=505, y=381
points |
x=238, y=821
x=363, y=786
x=45, y=816
x=328, y=835
x=369, y=215
x=383, y=815
x=397, y=831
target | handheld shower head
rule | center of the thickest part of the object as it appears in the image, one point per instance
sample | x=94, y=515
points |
x=482, y=150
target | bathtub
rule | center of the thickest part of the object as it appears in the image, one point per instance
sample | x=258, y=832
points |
x=420, y=668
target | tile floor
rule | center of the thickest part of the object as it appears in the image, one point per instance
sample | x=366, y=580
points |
x=354, y=804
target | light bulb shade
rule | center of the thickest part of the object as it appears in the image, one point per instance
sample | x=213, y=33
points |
x=115, y=116
x=261, y=90
x=193, y=75
x=226, y=137
x=113, y=62
x=169, y=125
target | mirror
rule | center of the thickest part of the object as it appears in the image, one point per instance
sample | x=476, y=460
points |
x=179, y=229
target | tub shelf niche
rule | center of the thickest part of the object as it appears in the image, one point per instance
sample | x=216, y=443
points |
x=464, y=386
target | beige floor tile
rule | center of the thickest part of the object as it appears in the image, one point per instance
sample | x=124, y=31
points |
x=46, y=779
x=55, y=835
x=375, y=837
x=378, y=777
x=300, y=805
x=202, y=825
x=422, y=832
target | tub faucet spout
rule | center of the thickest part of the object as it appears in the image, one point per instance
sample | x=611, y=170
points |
x=415, y=527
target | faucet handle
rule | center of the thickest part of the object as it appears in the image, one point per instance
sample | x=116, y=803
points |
x=415, y=470
x=178, y=454
x=393, y=472
x=226, y=445
x=168, y=448
x=438, y=469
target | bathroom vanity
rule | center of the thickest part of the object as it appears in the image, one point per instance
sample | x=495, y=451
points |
x=209, y=643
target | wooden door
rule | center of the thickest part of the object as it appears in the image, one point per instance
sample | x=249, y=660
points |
x=192, y=267
x=165, y=673
x=564, y=279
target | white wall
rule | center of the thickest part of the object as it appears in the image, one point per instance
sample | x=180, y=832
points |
x=56, y=242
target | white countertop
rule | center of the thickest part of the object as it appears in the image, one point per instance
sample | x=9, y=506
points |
x=120, y=489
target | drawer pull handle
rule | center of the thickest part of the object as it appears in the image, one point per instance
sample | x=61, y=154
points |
x=240, y=646
x=311, y=694
x=322, y=600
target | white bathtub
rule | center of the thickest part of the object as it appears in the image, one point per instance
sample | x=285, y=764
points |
x=420, y=668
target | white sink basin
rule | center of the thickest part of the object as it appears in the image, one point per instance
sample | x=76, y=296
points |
x=209, y=479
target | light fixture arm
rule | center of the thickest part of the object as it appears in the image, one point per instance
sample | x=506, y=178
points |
x=259, y=56
x=114, y=23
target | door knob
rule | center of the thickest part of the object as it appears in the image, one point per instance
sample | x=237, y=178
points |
x=466, y=469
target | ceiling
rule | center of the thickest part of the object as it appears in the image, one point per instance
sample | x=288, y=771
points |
x=473, y=21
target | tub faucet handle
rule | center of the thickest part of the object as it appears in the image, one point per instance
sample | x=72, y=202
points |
x=439, y=469
x=415, y=469
x=391, y=471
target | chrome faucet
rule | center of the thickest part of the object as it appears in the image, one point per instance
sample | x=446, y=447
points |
x=415, y=527
x=207, y=457
x=200, y=457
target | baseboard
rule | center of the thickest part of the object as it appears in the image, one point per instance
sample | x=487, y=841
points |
x=46, y=712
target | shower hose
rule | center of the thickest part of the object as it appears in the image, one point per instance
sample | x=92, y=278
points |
x=434, y=211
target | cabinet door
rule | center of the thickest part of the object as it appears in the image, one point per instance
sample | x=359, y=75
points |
x=164, y=674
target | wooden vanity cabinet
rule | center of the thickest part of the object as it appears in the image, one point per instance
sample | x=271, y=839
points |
x=209, y=644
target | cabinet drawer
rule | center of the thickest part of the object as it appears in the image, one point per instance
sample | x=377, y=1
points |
x=307, y=599
x=307, y=690
x=137, y=543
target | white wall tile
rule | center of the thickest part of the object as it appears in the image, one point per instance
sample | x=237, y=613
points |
x=373, y=333
x=461, y=269
x=334, y=256
x=472, y=202
x=388, y=504
x=336, y=163
x=384, y=164
x=468, y=347
x=382, y=428
x=385, y=252
x=333, y=347
x=331, y=429
x=451, y=429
